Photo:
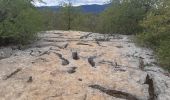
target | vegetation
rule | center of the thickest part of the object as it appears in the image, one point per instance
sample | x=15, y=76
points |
x=156, y=32
x=122, y=17
x=69, y=18
x=149, y=20
x=19, y=21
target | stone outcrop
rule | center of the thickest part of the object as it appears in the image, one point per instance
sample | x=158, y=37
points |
x=72, y=65
x=5, y=52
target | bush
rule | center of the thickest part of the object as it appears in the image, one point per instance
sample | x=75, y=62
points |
x=156, y=33
x=122, y=17
x=164, y=54
x=19, y=21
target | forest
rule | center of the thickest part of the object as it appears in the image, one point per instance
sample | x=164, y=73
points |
x=147, y=20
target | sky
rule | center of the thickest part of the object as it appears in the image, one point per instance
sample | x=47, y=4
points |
x=75, y=2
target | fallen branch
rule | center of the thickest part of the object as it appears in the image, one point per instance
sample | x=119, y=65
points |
x=114, y=93
x=11, y=74
x=84, y=44
x=85, y=36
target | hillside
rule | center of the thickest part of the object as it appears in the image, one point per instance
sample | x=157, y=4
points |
x=84, y=8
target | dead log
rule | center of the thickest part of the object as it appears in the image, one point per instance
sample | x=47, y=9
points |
x=11, y=74
x=72, y=70
x=84, y=44
x=115, y=93
x=64, y=61
x=85, y=36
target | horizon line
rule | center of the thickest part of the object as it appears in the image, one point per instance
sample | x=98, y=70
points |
x=78, y=4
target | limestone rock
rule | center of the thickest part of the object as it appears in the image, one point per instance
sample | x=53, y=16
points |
x=5, y=52
x=49, y=72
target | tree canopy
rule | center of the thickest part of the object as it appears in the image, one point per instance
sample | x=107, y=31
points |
x=19, y=21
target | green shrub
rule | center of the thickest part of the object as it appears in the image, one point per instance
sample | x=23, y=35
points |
x=164, y=54
x=156, y=33
x=19, y=21
x=122, y=17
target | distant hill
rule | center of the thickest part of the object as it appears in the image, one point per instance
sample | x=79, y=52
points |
x=85, y=8
x=93, y=8
x=52, y=8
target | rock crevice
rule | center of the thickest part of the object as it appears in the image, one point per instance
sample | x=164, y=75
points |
x=71, y=65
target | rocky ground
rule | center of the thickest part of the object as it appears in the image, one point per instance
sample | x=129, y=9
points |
x=71, y=65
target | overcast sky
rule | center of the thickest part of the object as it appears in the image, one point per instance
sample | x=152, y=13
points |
x=75, y=2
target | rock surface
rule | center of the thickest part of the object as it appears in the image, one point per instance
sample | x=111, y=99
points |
x=122, y=71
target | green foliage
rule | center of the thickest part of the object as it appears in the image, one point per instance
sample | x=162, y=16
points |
x=149, y=19
x=122, y=17
x=78, y=21
x=51, y=20
x=19, y=21
x=85, y=22
x=164, y=54
x=156, y=33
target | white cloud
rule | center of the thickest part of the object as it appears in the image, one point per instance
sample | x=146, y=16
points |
x=75, y=2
